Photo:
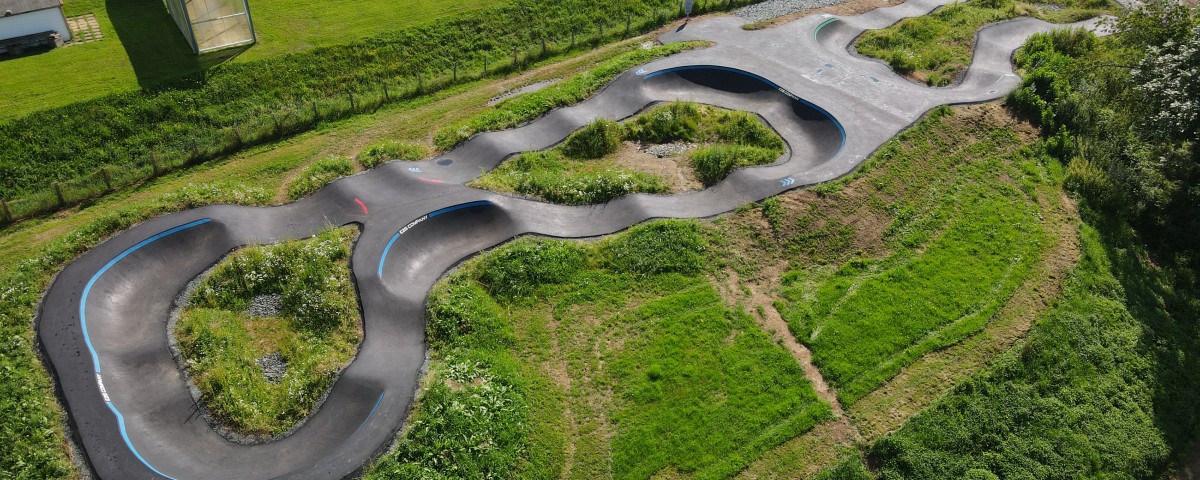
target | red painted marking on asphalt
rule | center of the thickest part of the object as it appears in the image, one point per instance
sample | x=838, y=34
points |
x=430, y=180
x=361, y=204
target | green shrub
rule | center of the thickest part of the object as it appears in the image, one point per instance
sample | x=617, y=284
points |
x=382, y=152
x=672, y=122
x=714, y=163
x=744, y=128
x=318, y=175
x=664, y=246
x=522, y=267
x=461, y=309
x=596, y=140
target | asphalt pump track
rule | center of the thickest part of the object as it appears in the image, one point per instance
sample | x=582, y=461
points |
x=103, y=322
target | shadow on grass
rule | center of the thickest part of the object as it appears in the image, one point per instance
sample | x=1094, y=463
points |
x=156, y=48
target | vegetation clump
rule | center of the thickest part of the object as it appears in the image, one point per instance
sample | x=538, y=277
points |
x=318, y=175
x=674, y=121
x=596, y=140
x=382, y=152
x=292, y=305
x=549, y=176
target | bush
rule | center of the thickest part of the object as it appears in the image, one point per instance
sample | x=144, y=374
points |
x=382, y=152
x=596, y=140
x=742, y=128
x=522, y=267
x=460, y=309
x=318, y=175
x=665, y=246
x=714, y=163
x=673, y=122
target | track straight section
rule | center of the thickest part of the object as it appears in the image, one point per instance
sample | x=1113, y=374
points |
x=109, y=308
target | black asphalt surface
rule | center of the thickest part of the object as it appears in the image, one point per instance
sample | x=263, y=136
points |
x=103, y=323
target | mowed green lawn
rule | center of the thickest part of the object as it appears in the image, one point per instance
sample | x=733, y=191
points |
x=142, y=46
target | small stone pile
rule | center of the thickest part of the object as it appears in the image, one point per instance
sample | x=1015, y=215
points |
x=667, y=149
x=265, y=305
x=273, y=367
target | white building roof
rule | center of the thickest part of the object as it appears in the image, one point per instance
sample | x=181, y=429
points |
x=18, y=7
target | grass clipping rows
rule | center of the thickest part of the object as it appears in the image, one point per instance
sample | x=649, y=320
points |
x=315, y=332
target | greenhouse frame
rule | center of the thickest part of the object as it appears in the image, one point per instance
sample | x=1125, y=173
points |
x=213, y=24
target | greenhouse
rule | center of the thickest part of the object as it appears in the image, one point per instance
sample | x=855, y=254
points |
x=213, y=24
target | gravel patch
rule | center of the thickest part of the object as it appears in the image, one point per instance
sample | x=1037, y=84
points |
x=265, y=305
x=273, y=367
x=667, y=150
x=1049, y=7
x=761, y=12
x=533, y=87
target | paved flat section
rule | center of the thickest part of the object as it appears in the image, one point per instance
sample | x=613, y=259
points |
x=103, y=322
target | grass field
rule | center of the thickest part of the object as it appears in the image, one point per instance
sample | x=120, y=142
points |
x=580, y=364
x=142, y=45
x=958, y=251
x=314, y=334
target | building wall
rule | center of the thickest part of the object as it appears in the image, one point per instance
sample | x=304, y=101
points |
x=34, y=22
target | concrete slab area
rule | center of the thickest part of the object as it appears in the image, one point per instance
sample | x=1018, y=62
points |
x=103, y=321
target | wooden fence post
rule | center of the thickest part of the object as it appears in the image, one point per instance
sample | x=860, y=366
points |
x=59, y=193
x=154, y=164
x=105, y=178
x=5, y=213
x=386, y=97
x=351, y=94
